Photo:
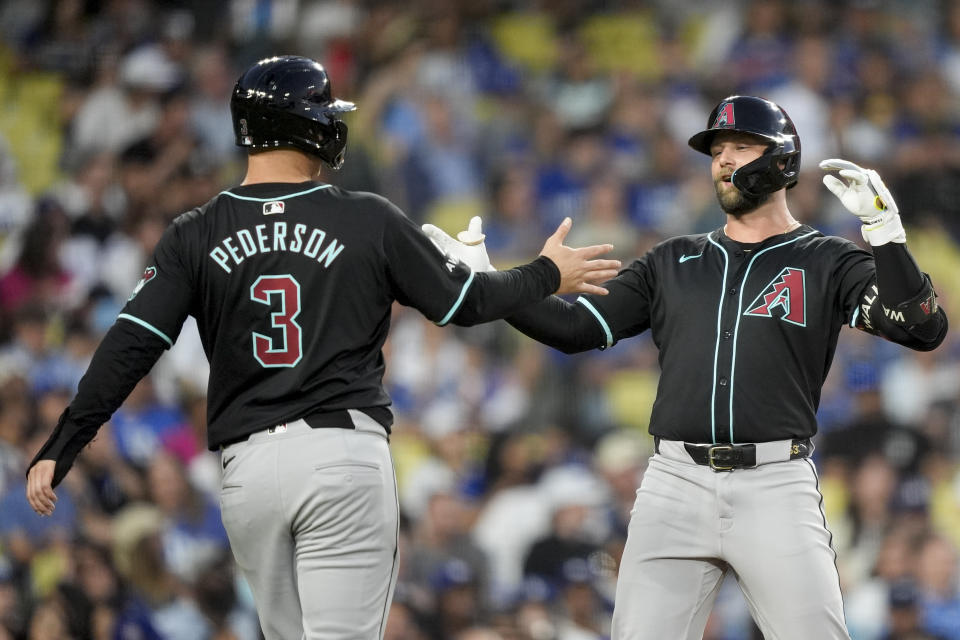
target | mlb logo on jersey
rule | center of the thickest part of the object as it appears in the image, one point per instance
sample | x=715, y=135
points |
x=269, y=208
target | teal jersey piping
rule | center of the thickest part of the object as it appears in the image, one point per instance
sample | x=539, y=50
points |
x=145, y=325
x=736, y=328
x=274, y=199
x=853, y=318
x=456, y=305
x=716, y=350
x=603, y=323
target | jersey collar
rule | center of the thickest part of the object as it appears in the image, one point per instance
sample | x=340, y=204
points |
x=274, y=190
x=719, y=236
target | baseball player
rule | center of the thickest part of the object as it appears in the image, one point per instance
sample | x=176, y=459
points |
x=291, y=281
x=746, y=319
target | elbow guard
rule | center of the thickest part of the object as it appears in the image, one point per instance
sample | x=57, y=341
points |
x=875, y=315
x=916, y=310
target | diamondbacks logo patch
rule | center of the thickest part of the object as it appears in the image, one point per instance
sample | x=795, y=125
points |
x=270, y=208
x=148, y=274
x=787, y=294
x=725, y=118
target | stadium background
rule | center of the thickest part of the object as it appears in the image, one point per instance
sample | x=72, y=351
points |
x=517, y=465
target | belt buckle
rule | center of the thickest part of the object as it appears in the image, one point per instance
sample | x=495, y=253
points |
x=712, y=461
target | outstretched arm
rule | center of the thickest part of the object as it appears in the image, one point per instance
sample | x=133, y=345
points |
x=487, y=294
x=568, y=327
x=559, y=269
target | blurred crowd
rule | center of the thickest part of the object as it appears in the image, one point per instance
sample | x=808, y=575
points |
x=517, y=465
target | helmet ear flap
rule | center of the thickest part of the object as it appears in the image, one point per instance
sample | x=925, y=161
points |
x=333, y=144
x=765, y=175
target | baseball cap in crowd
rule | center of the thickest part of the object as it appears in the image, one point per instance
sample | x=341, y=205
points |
x=903, y=594
x=150, y=69
x=572, y=485
x=912, y=495
x=131, y=525
x=453, y=573
x=576, y=570
x=533, y=589
x=622, y=450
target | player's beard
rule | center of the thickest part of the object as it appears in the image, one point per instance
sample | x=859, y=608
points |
x=735, y=202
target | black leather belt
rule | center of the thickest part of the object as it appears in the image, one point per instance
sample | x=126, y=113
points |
x=336, y=419
x=727, y=457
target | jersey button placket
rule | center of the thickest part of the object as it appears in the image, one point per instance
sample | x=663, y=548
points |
x=725, y=349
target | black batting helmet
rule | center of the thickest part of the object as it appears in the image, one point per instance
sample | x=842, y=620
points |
x=764, y=119
x=286, y=101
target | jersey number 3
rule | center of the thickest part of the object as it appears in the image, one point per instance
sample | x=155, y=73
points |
x=290, y=349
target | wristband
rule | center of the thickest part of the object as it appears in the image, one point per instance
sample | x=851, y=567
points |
x=887, y=229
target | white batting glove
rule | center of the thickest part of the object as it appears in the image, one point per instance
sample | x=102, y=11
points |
x=468, y=248
x=865, y=195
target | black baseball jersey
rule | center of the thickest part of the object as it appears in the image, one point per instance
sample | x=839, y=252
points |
x=746, y=333
x=292, y=287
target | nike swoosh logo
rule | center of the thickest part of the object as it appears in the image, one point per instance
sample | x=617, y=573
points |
x=684, y=258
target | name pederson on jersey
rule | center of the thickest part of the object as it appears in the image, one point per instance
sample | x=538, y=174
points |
x=746, y=337
x=292, y=287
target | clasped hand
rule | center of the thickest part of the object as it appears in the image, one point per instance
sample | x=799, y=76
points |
x=579, y=268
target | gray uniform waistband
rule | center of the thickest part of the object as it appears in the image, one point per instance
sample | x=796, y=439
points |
x=726, y=457
x=351, y=419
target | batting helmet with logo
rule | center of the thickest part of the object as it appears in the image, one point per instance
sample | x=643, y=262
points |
x=779, y=166
x=286, y=101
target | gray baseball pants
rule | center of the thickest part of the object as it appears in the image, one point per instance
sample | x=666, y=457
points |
x=312, y=518
x=690, y=525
